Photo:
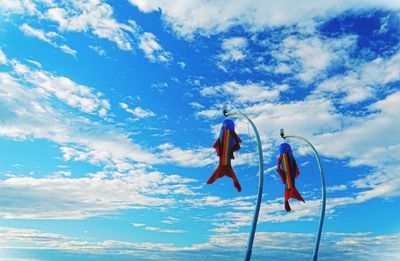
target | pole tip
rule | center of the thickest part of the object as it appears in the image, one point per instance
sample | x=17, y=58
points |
x=224, y=110
x=282, y=133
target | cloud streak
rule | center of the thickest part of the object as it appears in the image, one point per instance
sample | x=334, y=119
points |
x=269, y=245
x=188, y=18
x=46, y=37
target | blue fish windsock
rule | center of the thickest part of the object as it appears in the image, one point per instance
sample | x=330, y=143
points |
x=288, y=170
x=226, y=144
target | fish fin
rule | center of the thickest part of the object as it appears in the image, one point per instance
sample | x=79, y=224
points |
x=287, y=206
x=228, y=171
x=296, y=172
x=216, y=146
x=279, y=170
x=293, y=193
x=216, y=175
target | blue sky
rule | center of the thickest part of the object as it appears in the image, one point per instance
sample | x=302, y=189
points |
x=109, y=110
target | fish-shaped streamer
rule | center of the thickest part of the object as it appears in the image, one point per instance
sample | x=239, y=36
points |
x=288, y=170
x=226, y=144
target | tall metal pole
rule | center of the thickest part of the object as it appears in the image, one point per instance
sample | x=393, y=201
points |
x=323, y=189
x=260, y=182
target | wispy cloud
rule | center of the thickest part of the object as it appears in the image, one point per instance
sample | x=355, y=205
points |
x=269, y=245
x=233, y=50
x=203, y=17
x=244, y=93
x=362, y=142
x=35, y=63
x=47, y=37
x=32, y=113
x=95, y=17
x=68, y=50
x=18, y=6
x=308, y=57
x=170, y=220
x=75, y=95
x=103, y=193
x=3, y=58
x=190, y=157
x=152, y=49
x=41, y=35
x=137, y=112
x=170, y=231
x=97, y=49
x=363, y=81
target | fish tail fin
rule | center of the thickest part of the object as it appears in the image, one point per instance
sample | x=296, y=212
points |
x=216, y=175
x=293, y=193
x=228, y=171
x=287, y=206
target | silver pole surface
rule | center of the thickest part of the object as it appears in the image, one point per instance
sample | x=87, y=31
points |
x=260, y=183
x=323, y=189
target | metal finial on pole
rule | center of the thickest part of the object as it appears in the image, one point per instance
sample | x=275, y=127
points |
x=282, y=133
x=225, y=110
x=260, y=181
x=323, y=191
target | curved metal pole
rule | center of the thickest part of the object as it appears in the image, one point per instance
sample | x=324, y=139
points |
x=323, y=189
x=260, y=183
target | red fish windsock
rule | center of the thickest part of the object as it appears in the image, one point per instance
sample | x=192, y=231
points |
x=288, y=170
x=226, y=144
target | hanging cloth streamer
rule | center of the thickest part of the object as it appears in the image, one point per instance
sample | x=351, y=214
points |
x=288, y=170
x=226, y=144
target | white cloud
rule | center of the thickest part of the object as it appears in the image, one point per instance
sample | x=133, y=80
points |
x=96, y=17
x=68, y=50
x=196, y=105
x=75, y=95
x=160, y=86
x=171, y=231
x=269, y=245
x=210, y=113
x=93, y=16
x=365, y=140
x=3, y=58
x=237, y=203
x=17, y=6
x=138, y=224
x=188, y=17
x=182, y=65
x=196, y=157
x=283, y=68
x=309, y=57
x=97, y=49
x=32, y=113
x=306, y=117
x=337, y=188
x=362, y=82
x=28, y=30
x=46, y=37
x=60, y=197
x=35, y=63
x=152, y=49
x=244, y=93
x=29, y=113
x=170, y=220
x=381, y=184
x=234, y=49
x=138, y=112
